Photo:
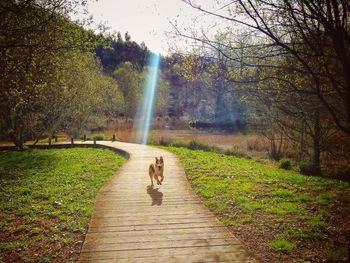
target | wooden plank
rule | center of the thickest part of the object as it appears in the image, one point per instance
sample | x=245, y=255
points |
x=164, y=244
x=121, y=221
x=106, y=228
x=139, y=253
x=92, y=238
x=108, y=213
x=202, y=258
x=131, y=234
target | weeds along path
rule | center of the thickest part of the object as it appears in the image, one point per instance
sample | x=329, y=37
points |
x=133, y=222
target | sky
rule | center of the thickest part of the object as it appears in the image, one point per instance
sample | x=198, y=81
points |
x=145, y=20
x=150, y=21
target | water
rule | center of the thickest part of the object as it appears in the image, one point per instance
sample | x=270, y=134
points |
x=144, y=115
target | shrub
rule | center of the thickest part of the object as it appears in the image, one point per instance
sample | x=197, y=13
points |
x=100, y=137
x=285, y=163
x=234, y=151
x=195, y=145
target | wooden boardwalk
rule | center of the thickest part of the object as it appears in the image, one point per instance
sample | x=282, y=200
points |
x=133, y=222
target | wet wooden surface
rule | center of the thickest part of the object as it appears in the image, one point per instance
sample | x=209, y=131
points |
x=133, y=222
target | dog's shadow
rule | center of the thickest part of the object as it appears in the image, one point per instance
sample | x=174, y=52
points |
x=157, y=197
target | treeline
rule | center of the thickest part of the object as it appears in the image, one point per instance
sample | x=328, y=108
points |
x=58, y=76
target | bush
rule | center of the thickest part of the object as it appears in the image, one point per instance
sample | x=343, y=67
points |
x=195, y=145
x=234, y=151
x=281, y=245
x=100, y=137
x=285, y=163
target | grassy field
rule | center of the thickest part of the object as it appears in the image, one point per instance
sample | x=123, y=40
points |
x=281, y=216
x=46, y=201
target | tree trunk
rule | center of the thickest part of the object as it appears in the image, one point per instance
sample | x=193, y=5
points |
x=19, y=144
x=317, y=143
x=274, y=148
x=17, y=140
x=302, y=141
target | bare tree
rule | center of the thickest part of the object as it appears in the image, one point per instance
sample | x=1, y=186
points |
x=314, y=35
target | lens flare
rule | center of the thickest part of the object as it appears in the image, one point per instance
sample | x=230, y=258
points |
x=144, y=115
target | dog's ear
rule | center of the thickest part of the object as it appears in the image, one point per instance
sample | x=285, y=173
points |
x=161, y=159
x=156, y=158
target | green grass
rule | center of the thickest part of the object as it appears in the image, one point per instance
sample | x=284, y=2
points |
x=245, y=193
x=47, y=197
x=281, y=245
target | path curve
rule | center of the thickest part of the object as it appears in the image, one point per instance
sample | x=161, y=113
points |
x=133, y=222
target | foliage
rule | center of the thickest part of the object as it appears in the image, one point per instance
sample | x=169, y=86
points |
x=81, y=97
x=115, y=51
x=129, y=81
x=47, y=199
x=100, y=137
x=112, y=102
x=195, y=145
x=285, y=163
x=290, y=205
x=50, y=78
x=43, y=62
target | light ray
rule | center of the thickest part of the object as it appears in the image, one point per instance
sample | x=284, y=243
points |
x=144, y=115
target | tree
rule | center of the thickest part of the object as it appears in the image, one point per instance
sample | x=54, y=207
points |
x=35, y=37
x=112, y=102
x=129, y=81
x=114, y=51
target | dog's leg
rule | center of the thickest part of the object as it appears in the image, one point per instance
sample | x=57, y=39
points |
x=151, y=172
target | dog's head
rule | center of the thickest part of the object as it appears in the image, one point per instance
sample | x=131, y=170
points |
x=159, y=162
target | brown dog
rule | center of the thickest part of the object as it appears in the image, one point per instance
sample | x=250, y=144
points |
x=156, y=170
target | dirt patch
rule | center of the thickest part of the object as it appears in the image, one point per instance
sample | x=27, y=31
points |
x=24, y=245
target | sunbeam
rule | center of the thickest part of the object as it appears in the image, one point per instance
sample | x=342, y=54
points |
x=144, y=115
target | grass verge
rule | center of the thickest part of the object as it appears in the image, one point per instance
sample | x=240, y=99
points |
x=280, y=215
x=46, y=201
